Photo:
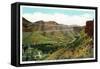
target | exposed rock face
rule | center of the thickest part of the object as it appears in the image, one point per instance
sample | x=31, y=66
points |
x=89, y=28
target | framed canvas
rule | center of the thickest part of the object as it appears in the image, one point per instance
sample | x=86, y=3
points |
x=43, y=34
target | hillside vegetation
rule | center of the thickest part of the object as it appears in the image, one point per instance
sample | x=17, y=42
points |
x=51, y=41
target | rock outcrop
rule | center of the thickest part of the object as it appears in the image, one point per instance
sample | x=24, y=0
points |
x=89, y=28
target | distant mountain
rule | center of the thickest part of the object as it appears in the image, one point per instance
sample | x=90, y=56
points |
x=45, y=26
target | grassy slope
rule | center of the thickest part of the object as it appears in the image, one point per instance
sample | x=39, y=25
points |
x=82, y=49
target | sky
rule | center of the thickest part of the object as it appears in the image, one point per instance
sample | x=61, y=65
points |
x=66, y=16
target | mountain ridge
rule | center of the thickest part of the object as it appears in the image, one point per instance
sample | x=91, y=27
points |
x=44, y=26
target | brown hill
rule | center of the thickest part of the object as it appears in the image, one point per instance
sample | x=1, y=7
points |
x=44, y=26
x=27, y=25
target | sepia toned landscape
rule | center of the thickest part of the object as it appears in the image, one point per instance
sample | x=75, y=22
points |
x=50, y=40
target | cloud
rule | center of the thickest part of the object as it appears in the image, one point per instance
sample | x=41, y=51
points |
x=59, y=18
